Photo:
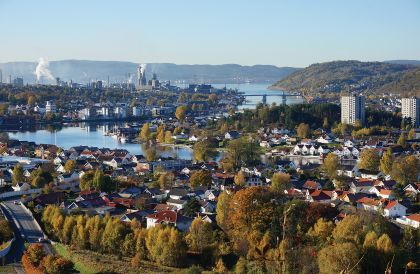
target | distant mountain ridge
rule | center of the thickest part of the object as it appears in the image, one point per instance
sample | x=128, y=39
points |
x=355, y=76
x=83, y=71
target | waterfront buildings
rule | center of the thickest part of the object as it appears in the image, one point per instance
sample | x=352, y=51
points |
x=50, y=107
x=410, y=109
x=352, y=109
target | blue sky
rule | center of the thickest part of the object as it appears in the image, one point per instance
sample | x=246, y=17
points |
x=282, y=33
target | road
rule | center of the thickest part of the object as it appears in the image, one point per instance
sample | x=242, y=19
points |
x=25, y=229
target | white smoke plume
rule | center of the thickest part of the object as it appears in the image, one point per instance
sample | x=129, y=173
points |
x=43, y=70
x=130, y=78
x=143, y=68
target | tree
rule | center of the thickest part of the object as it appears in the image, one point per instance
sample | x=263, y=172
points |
x=251, y=209
x=303, y=130
x=384, y=244
x=321, y=230
x=349, y=230
x=241, y=266
x=57, y=265
x=224, y=128
x=405, y=169
x=242, y=150
x=200, y=236
x=386, y=162
x=35, y=253
x=151, y=153
x=31, y=100
x=411, y=134
x=220, y=267
x=370, y=240
x=166, y=180
x=339, y=258
x=160, y=136
x=203, y=151
x=70, y=166
x=145, y=133
x=41, y=177
x=168, y=136
x=86, y=180
x=330, y=165
x=325, y=124
x=213, y=98
x=181, y=112
x=192, y=207
x=98, y=180
x=222, y=210
x=280, y=182
x=369, y=159
x=402, y=140
x=200, y=178
x=18, y=175
x=240, y=179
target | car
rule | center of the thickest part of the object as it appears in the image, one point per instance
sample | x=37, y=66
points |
x=16, y=202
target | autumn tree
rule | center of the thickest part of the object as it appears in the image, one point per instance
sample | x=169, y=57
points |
x=192, y=207
x=321, y=230
x=151, y=153
x=203, y=151
x=160, y=136
x=402, y=140
x=386, y=162
x=242, y=150
x=18, y=174
x=339, y=258
x=222, y=210
x=330, y=165
x=200, y=236
x=145, y=133
x=411, y=134
x=303, y=130
x=369, y=159
x=168, y=136
x=200, y=178
x=70, y=166
x=34, y=254
x=240, y=179
x=180, y=112
x=166, y=180
x=280, y=182
x=86, y=180
x=349, y=230
x=405, y=169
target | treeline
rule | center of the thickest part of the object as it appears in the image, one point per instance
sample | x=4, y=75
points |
x=259, y=230
x=324, y=115
x=283, y=116
x=163, y=244
x=36, y=261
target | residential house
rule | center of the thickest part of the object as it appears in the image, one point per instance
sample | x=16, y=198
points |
x=394, y=209
x=169, y=217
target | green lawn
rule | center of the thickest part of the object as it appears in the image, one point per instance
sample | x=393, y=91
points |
x=78, y=265
x=88, y=262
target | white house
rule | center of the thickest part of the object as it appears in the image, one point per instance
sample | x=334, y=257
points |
x=168, y=217
x=394, y=209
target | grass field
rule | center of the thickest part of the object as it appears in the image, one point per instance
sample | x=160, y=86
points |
x=90, y=262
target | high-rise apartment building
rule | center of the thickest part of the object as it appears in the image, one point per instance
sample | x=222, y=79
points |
x=410, y=108
x=352, y=109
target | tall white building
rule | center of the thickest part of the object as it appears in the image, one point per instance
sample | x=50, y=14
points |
x=50, y=107
x=352, y=109
x=410, y=108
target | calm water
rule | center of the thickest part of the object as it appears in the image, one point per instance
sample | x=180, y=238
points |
x=93, y=134
x=261, y=88
x=90, y=135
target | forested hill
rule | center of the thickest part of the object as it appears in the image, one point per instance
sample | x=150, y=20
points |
x=84, y=71
x=368, y=77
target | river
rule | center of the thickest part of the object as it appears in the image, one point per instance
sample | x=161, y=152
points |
x=93, y=134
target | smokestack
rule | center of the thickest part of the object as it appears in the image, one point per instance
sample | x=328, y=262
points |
x=1, y=76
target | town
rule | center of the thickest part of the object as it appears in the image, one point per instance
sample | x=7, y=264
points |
x=345, y=172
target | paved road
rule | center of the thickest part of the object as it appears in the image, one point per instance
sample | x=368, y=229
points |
x=26, y=229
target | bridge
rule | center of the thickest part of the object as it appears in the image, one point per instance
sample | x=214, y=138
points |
x=264, y=96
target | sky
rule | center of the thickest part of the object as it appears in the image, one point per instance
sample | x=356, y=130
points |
x=282, y=33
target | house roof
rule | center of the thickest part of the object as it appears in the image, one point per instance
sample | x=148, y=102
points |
x=311, y=185
x=319, y=195
x=368, y=201
x=391, y=204
x=167, y=216
x=414, y=217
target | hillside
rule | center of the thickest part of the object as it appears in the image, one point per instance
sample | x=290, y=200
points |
x=368, y=77
x=83, y=71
